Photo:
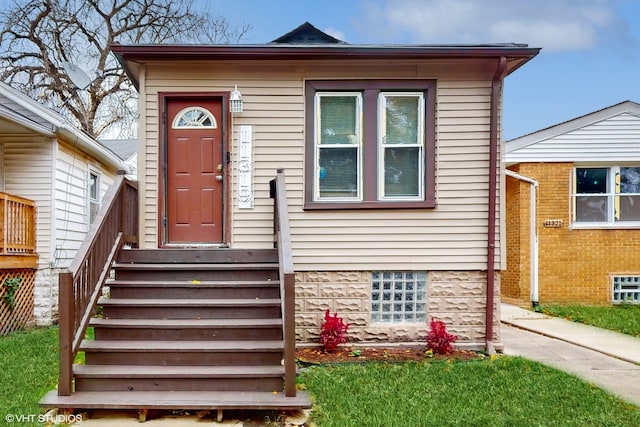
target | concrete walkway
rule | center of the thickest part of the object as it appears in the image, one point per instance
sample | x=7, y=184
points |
x=607, y=359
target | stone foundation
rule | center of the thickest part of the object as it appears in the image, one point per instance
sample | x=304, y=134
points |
x=455, y=297
x=45, y=297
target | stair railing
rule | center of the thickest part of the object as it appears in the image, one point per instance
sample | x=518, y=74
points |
x=282, y=241
x=81, y=285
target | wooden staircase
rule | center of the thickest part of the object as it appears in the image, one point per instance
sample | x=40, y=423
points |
x=186, y=329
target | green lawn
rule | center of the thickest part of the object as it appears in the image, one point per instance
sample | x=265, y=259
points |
x=28, y=369
x=624, y=318
x=501, y=392
x=493, y=392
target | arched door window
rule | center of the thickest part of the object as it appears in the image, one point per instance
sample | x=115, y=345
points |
x=194, y=117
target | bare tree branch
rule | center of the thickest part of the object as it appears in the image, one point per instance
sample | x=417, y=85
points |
x=36, y=36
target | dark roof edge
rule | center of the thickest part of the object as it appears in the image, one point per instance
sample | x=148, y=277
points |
x=306, y=51
x=125, y=53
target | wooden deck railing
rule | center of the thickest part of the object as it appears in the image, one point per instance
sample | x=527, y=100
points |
x=81, y=285
x=282, y=241
x=18, y=216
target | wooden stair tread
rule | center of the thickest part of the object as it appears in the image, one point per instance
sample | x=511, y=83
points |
x=190, y=283
x=180, y=346
x=193, y=400
x=198, y=266
x=137, y=371
x=190, y=302
x=185, y=323
x=198, y=255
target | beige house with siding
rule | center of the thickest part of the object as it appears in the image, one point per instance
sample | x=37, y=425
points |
x=392, y=164
x=46, y=163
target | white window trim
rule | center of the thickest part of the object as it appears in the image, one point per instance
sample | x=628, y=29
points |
x=613, y=172
x=357, y=145
x=381, y=144
x=207, y=114
x=98, y=199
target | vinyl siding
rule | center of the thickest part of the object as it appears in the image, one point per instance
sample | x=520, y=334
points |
x=452, y=236
x=614, y=139
x=27, y=172
x=71, y=201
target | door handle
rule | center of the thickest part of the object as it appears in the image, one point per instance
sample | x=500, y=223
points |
x=219, y=178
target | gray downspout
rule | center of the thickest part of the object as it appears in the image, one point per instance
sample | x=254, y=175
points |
x=496, y=96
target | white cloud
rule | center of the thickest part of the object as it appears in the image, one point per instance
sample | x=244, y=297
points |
x=335, y=33
x=555, y=25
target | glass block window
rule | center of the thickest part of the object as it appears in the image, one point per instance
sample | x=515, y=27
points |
x=626, y=289
x=399, y=297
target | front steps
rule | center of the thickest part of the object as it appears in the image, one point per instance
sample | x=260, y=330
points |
x=186, y=329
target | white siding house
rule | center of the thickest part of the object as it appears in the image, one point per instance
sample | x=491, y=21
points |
x=47, y=160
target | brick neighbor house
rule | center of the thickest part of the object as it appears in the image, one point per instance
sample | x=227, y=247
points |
x=584, y=175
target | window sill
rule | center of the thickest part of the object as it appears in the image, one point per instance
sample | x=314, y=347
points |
x=600, y=226
x=428, y=204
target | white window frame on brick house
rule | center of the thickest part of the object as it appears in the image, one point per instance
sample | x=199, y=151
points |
x=605, y=197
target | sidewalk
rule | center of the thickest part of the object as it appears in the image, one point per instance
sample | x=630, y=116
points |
x=614, y=344
x=605, y=358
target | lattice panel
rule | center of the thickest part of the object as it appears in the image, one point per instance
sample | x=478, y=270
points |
x=16, y=318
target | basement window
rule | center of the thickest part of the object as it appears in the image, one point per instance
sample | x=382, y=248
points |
x=399, y=297
x=626, y=289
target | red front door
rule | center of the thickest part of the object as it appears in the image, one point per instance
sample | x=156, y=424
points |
x=194, y=175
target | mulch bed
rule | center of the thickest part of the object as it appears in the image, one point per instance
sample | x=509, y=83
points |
x=317, y=356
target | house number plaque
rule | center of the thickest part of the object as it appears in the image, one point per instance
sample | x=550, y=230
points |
x=245, y=167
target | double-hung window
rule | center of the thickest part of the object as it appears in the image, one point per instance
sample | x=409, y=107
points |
x=337, y=146
x=606, y=196
x=401, y=145
x=370, y=144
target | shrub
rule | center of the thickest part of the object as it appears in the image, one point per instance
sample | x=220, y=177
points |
x=12, y=284
x=333, y=331
x=438, y=339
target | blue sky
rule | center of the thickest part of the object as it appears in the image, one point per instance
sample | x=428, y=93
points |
x=590, y=55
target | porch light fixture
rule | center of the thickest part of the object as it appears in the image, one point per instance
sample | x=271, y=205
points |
x=235, y=101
